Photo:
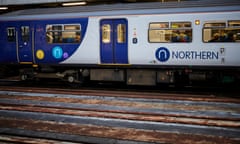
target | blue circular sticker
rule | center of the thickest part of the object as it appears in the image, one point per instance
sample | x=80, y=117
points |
x=57, y=52
x=162, y=54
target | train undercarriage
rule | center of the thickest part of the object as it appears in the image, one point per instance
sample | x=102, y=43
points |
x=133, y=76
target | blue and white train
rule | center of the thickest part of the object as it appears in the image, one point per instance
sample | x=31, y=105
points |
x=136, y=43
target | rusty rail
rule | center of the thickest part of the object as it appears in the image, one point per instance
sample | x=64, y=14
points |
x=30, y=140
x=115, y=117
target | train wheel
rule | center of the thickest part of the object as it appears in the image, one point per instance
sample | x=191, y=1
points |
x=71, y=79
x=23, y=77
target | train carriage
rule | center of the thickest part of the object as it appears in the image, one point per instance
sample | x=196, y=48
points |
x=137, y=44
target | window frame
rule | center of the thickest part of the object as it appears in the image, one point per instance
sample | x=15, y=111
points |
x=106, y=33
x=58, y=35
x=220, y=34
x=166, y=29
x=25, y=33
x=11, y=34
x=121, y=33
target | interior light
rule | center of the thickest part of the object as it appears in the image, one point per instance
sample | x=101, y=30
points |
x=197, y=22
x=3, y=8
x=74, y=3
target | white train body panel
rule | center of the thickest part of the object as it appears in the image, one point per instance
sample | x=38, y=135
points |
x=88, y=51
x=195, y=53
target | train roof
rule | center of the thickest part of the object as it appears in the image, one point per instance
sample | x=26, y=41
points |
x=123, y=8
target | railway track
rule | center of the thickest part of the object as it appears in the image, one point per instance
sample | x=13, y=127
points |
x=99, y=116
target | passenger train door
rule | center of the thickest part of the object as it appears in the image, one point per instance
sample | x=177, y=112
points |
x=113, y=41
x=24, y=44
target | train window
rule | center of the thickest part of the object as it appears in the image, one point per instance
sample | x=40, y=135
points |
x=178, y=32
x=54, y=33
x=234, y=30
x=106, y=33
x=11, y=34
x=178, y=25
x=215, y=24
x=159, y=35
x=25, y=33
x=58, y=33
x=121, y=33
x=220, y=32
x=181, y=31
x=71, y=34
x=56, y=27
x=158, y=32
x=234, y=23
x=159, y=25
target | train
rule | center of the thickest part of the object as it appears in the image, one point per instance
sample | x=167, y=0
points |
x=135, y=44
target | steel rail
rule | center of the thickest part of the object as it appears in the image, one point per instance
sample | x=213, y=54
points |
x=118, y=117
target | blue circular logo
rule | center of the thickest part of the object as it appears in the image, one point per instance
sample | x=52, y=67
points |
x=57, y=52
x=162, y=54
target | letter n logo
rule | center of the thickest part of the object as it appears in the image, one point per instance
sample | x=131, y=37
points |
x=162, y=54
